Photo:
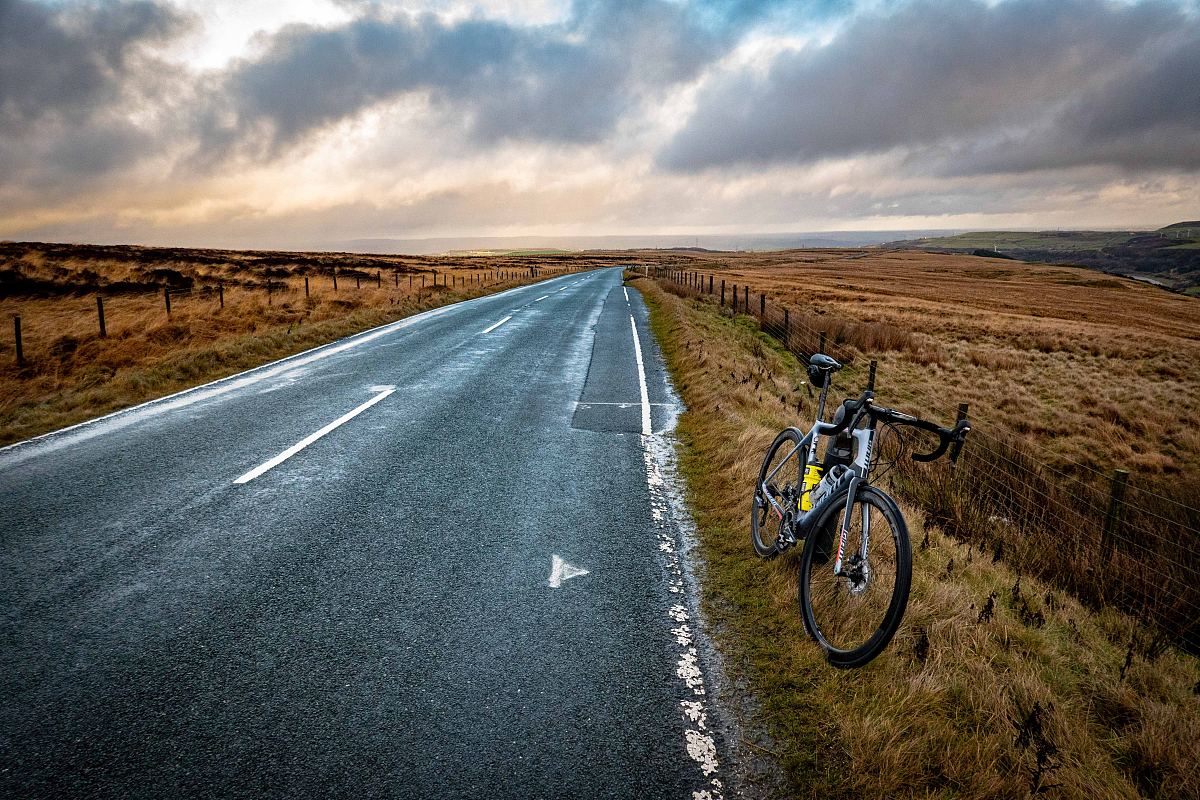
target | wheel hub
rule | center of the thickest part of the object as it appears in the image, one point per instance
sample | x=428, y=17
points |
x=858, y=575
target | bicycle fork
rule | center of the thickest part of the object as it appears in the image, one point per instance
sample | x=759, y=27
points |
x=858, y=583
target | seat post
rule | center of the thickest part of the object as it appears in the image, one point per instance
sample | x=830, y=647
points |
x=824, y=394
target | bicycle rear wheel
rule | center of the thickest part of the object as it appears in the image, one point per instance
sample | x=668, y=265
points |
x=854, y=615
x=787, y=463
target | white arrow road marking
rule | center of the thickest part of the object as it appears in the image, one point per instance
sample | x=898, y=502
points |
x=491, y=328
x=305, y=442
x=562, y=571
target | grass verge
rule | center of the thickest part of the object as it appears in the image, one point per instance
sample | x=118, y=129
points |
x=71, y=374
x=996, y=685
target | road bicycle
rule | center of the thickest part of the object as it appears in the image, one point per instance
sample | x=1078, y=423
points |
x=856, y=565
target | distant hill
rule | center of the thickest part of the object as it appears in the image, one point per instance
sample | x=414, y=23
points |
x=1169, y=256
x=682, y=242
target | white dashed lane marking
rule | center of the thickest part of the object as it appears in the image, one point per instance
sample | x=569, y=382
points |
x=305, y=442
x=491, y=328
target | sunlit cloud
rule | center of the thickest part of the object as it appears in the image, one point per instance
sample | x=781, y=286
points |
x=327, y=121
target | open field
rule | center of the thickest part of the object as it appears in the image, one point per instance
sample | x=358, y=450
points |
x=998, y=685
x=1167, y=254
x=1061, y=241
x=1101, y=372
x=229, y=311
x=1067, y=375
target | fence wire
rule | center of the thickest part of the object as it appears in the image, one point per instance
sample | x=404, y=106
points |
x=1068, y=524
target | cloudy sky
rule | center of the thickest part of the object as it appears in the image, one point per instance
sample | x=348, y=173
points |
x=263, y=123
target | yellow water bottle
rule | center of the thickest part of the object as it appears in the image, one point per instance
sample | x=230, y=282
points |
x=812, y=476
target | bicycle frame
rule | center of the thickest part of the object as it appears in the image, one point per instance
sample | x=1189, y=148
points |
x=858, y=473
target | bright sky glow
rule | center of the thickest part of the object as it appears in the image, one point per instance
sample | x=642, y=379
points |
x=253, y=123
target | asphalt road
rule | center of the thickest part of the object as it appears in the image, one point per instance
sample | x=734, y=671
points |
x=397, y=608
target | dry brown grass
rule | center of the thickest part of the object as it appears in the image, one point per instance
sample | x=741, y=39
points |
x=1099, y=371
x=1055, y=400
x=72, y=374
x=1041, y=696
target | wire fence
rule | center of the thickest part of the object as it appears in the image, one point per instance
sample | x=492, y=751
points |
x=1097, y=536
x=332, y=283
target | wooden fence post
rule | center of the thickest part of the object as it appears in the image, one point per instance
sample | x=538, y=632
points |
x=167, y=299
x=335, y=279
x=357, y=281
x=733, y=305
x=100, y=314
x=1115, y=513
x=821, y=346
x=378, y=279
x=17, y=333
x=746, y=299
x=221, y=292
x=710, y=282
x=306, y=286
x=396, y=275
x=871, y=375
x=762, y=305
x=722, y=294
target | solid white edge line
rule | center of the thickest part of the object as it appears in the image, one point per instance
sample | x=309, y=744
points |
x=491, y=328
x=306, y=441
x=637, y=351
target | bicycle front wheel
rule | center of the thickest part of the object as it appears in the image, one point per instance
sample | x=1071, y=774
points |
x=854, y=614
x=782, y=472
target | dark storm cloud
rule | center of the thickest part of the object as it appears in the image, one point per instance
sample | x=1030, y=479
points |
x=69, y=62
x=556, y=83
x=1022, y=84
x=65, y=75
x=1145, y=118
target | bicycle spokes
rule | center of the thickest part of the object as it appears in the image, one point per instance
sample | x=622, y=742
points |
x=852, y=600
x=775, y=496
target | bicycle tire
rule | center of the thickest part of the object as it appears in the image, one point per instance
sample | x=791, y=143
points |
x=764, y=526
x=823, y=618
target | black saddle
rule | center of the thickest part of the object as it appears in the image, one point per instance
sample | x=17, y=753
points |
x=822, y=361
x=820, y=367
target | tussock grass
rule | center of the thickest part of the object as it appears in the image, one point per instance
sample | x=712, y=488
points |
x=1062, y=385
x=997, y=685
x=1035, y=349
